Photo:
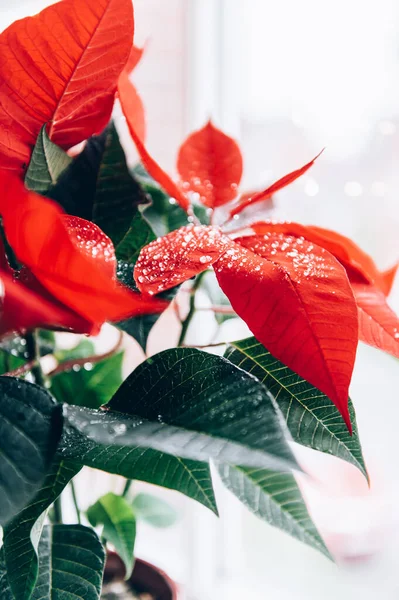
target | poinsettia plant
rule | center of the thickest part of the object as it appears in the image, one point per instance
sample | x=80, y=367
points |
x=87, y=240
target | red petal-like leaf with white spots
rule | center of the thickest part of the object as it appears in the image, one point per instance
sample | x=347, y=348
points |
x=296, y=299
x=378, y=324
x=178, y=256
x=210, y=164
x=353, y=258
x=72, y=258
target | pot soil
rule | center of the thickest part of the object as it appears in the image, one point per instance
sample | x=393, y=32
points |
x=146, y=583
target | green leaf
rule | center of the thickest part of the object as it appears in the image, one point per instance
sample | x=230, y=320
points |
x=30, y=429
x=75, y=189
x=154, y=510
x=275, y=498
x=22, y=534
x=138, y=235
x=71, y=564
x=84, y=349
x=117, y=197
x=193, y=405
x=189, y=477
x=139, y=327
x=47, y=163
x=92, y=385
x=312, y=418
x=117, y=517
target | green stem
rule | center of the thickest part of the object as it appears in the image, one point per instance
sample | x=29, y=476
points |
x=191, y=310
x=32, y=350
x=127, y=487
x=57, y=506
x=75, y=501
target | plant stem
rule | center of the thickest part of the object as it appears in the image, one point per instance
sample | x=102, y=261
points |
x=33, y=355
x=69, y=364
x=127, y=487
x=75, y=501
x=57, y=506
x=191, y=312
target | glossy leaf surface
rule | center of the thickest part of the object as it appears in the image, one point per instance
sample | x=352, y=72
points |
x=311, y=417
x=193, y=405
x=71, y=563
x=30, y=429
x=275, y=498
x=61, y=67
x=210, y=164
x=22, y=534
x=192, y=478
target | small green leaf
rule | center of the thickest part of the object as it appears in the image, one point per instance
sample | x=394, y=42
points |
x=47, y=163
x=92, y=385
x=275, y=498
x=30, y=429
x=192, y=478
x=71, y=564
x=312, y=418
x=154, y=510
x=22, y=534
x=193, y=405
x=84, y=349
x=119, y=525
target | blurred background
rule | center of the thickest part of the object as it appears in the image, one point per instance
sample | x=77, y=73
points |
x=287, y=78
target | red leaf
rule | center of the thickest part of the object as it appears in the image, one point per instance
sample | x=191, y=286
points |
x=275, y=187
x=178, y=256
x=135, y=57
x=210, y=163
x=132, y=105
x=388, y=279
x=22, y=309
x=61, y=67
x=345, y=250
x=378, y=324
x=296, y=299
x=151, y=165
x=80, y=273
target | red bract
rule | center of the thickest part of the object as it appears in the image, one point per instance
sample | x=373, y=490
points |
x=72, y=258
x=170, y=260
x=272, y=189
x=345, y=250
x=210, y=164
x=281, y=287
x=131, y=103
x=23, y=309
x=61, y=67
x=378, y=324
